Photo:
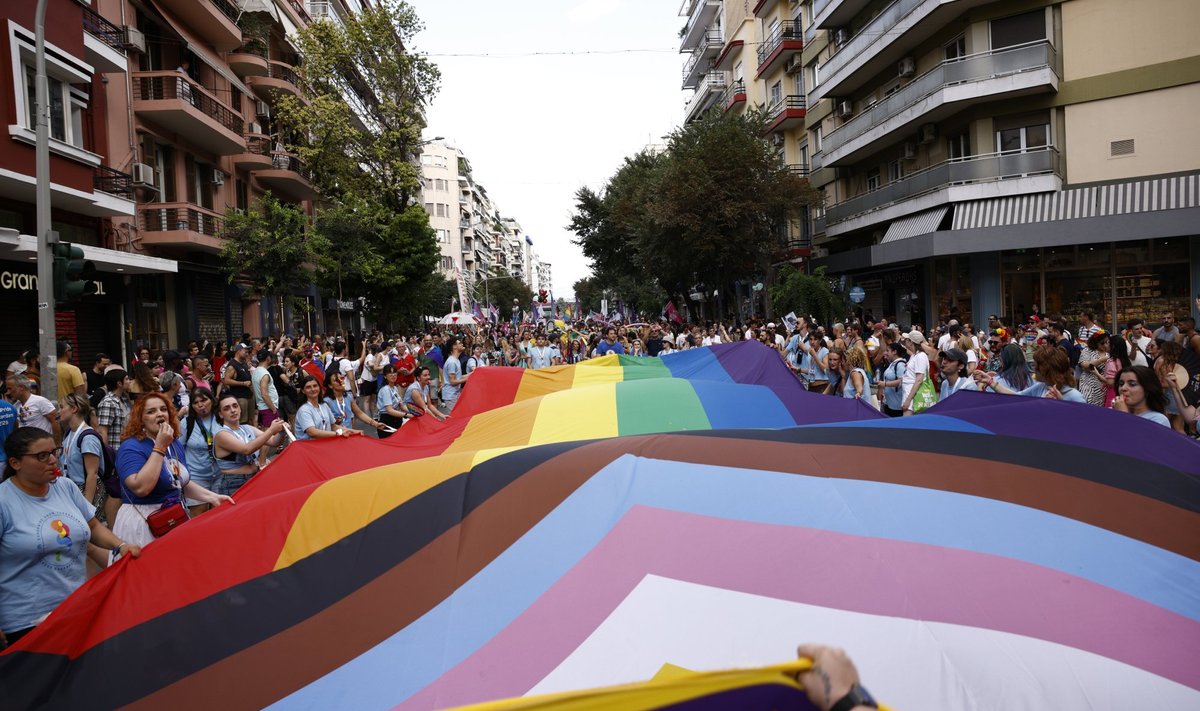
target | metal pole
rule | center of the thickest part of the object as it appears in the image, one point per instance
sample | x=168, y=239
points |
x=45, y=265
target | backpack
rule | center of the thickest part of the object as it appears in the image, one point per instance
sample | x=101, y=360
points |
x=108, y=464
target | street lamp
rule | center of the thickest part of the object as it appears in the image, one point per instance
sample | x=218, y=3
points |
x=435, y=138
x=485, y=280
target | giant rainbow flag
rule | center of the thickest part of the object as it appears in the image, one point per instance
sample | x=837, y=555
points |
x=998, y=552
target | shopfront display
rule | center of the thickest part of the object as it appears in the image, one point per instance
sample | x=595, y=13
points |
x=1115, y=281
x=91, y=324
x=897, y=295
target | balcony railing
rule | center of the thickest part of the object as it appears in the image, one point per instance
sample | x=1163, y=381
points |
x=976, y=67
x=102, y=29
x=256, y=48
x=974, y=169
x=798, y=169
x=738, y=87
x=279, y=70
x=710, y=40
x=227, y=8
x=879, y=27
x=157, y=86
x=713, y=82
x=789, y=30
x=280, y=159
x=181, y=217
x=112, y=181
x=791, y=101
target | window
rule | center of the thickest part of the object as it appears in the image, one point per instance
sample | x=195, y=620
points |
x=957, y=48
x=1022, y=133
x=959, y=146
x=816, y=73
x=816, y=139
x=429, y=208
x=1018, y=29
x=66, y=109
x=447, y=263
x=895, y=171
x=776, y=92
x=442, y=209
x=443, y=236
x=738, y=73
x=242, y=195
x=873, y=180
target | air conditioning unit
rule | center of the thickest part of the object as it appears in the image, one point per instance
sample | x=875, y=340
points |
x=841, y=36
x=132, y=38
x=143, y=176
x=845, y=109
x=254, y=127
x=928, y=133
x=909, y=152
x=262, y=108
x=218, y=177
x=794, y=64
x=908, y=67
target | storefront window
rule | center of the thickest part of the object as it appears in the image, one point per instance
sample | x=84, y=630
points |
x=1115, y=281
x=952, y=288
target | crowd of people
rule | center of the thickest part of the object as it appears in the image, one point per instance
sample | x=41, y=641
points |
x=123, y=454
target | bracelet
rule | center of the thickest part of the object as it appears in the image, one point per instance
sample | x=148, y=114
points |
x=120, y=545
x=159, y=452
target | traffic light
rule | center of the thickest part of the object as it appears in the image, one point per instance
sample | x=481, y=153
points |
x=74, y=276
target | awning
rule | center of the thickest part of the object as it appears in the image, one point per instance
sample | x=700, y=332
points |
x=196, y=47
x=913, y=225
x=16, y=245
x=266, y=6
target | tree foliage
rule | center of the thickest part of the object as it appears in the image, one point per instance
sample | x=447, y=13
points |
x=709, y=210
x=501, y=289
x=807, y=295
x=271, y=247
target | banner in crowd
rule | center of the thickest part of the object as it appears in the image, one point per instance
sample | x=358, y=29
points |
x=586, y=526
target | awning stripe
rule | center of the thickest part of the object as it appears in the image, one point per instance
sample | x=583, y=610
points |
x=913, y=225
x=1170, y=193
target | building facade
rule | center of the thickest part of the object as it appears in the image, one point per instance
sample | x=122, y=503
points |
x=92, y=192
x=977, y=157
x=475, y=238
x=983, y=158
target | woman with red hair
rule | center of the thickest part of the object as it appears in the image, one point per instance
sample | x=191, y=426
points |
x=151, y=468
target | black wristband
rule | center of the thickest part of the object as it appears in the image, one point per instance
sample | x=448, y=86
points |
x=857, y=696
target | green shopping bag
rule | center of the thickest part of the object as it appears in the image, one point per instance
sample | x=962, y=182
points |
x=925, y=397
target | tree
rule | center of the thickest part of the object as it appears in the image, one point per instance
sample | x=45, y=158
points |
x=270, y=247
x=359, y=125
x=712, y=209
x=588, y=292
x=502, y=288
x=807, y=295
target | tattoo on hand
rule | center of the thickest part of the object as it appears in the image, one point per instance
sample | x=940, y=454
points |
x=825, y=683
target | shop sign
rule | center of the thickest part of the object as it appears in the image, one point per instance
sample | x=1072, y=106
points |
x=344, y=305
x=16, y=281
x=858, y=294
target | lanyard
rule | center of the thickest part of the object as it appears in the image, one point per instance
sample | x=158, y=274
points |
x=340, y=412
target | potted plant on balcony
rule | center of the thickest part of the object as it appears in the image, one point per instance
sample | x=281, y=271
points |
x=256, y=29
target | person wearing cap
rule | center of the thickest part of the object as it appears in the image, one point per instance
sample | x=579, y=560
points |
x=917, y=368
x=953, y=364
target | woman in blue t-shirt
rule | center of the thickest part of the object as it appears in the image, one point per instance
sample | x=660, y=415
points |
x=198, y=431
x=390, y=402
x=45, y=528
x=82, y=452
x=151, y=468
x=1139, y=392
x=416, y=397
x=236, y=447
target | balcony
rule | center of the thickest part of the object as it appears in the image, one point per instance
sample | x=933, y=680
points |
x=883, y=41
x=702, y=14
x=734, y=95
x=280, y=79
x=175, y=102
x=972, y=178
x=797, y=242
x=785, y=41
x=181, y=224
x=257, y=155
x=113, y=182
x=702, y=58
x=762, y=7
x=799, y=170
x=287, y=177
x=941, y=92
x=214, y=20
x=248, y=61
x=787, y=112
x=709, y=90
x=102, y=43
x=836, y=13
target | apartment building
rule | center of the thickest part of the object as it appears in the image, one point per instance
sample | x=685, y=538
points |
x=741, y=55
x=984, y=158
x=545, y=277
x=474, y=237
x=91, y=189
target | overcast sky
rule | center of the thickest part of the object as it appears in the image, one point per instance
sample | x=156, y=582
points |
x=536, y=128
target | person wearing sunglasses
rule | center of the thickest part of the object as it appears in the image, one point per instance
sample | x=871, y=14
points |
x=45, y=528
